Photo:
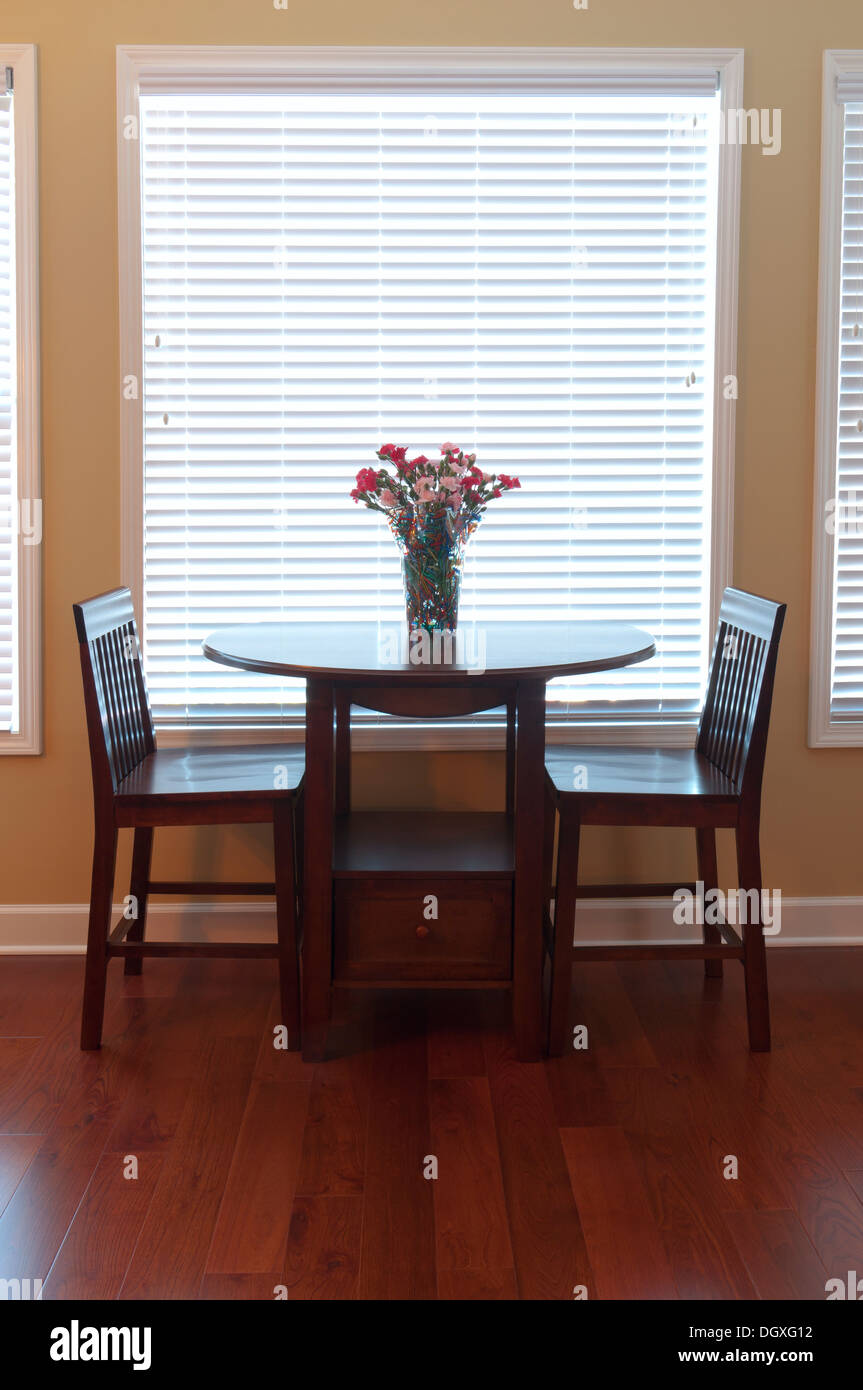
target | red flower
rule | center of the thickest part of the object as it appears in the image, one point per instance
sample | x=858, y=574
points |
x=415, y=463
x=367, y=480
x=506, y=481
x=394, y=453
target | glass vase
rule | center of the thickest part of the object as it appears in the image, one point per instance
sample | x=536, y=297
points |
x=432, y=580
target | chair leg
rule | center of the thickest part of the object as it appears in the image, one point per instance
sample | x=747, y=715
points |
x=139, y=886
x=286, y=918
x=754, y=954
x=705, y=841
x=101, y=899
x=569, y=833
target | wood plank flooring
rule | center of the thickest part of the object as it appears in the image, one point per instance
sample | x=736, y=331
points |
x=190, y=1159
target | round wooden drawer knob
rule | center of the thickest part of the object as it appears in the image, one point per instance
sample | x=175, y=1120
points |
x=422, y=933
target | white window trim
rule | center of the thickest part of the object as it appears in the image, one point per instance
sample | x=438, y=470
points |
x=21, y=57
x=825, y=732
x=155, y=67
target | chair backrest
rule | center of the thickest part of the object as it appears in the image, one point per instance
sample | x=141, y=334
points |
x=732, y=732
x=119, y=721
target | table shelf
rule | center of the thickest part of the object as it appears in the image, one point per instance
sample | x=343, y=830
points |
x=423, y=898
x=407, y=844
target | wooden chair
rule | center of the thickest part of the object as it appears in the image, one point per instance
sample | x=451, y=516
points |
x=139, y=786
x=713, y=785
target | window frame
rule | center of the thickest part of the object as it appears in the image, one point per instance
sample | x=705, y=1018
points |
x=824, y=731
x=27, y=738
x=207, y=67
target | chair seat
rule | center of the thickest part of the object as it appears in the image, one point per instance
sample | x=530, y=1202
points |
x=247, y=772
x=636, y=772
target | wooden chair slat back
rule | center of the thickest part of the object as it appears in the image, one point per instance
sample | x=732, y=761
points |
x=119, y=720
x=732, y=732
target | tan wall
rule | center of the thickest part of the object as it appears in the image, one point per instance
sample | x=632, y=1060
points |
x=813, y=799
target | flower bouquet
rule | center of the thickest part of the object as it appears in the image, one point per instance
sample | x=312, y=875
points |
x=433, y=508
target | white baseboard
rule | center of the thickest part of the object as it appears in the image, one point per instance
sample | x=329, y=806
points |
x=61, y=928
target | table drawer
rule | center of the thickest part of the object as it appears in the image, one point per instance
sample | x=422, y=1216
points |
x=381, y=931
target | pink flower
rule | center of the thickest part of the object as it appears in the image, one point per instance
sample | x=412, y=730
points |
x=451, y=484
x=389, y=498
x=425, y=489
x=449, y=448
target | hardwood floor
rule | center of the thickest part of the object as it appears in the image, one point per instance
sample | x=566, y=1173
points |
x=605, y=1171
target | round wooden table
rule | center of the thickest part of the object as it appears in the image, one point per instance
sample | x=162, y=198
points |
x=377, y=869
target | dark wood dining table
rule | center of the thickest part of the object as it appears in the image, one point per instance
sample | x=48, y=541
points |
x=378, y=666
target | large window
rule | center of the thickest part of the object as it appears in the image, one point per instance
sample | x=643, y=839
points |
x=521, y=253
x=836, y=691
x=20, y=503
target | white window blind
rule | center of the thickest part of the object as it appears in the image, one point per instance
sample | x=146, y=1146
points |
x=846, y=694
x=530, y=275
x=9, y=674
